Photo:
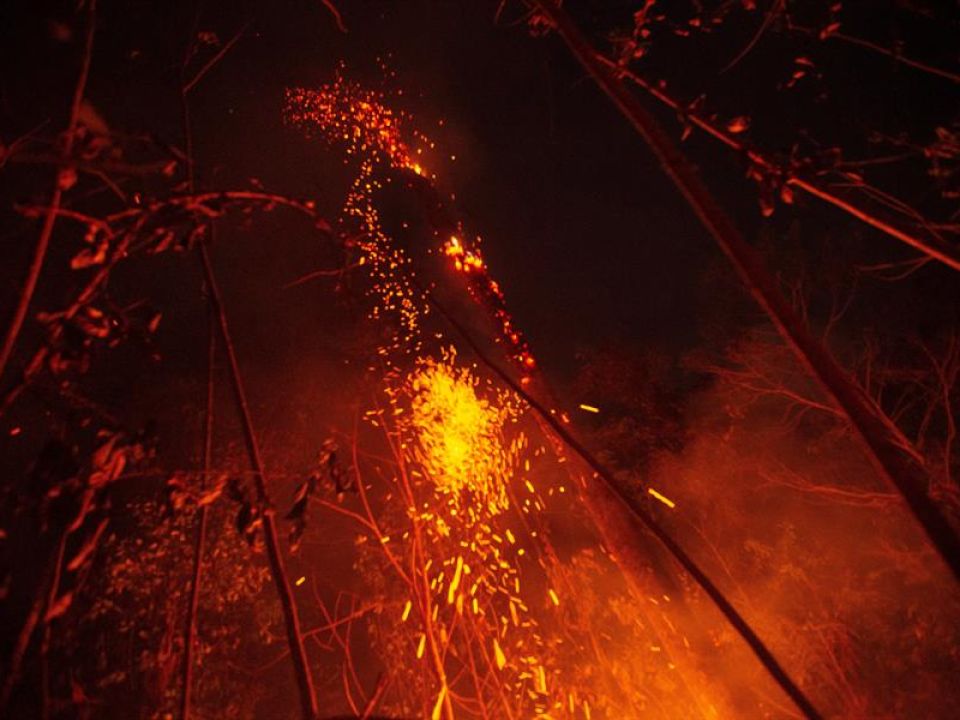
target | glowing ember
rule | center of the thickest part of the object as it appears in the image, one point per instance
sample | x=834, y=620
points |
x=662, y=498
x=342, y=112
x=461, y=435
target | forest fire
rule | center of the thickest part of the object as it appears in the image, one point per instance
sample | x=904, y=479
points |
x=461, y=436
x=275, y=445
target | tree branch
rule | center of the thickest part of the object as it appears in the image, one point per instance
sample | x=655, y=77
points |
x=63, y=182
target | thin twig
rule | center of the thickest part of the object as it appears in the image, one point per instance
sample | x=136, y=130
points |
x=61, y=183
x=895, y=54
x=208, y=66
x=191, y=626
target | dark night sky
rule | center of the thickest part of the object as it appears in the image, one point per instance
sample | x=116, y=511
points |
x=587, y=237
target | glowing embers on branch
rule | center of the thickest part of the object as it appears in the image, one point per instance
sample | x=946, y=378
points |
x=460, y=429
x=344, y=113
x=382, y=139
x=486, y=291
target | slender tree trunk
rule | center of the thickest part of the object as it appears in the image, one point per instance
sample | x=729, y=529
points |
x=878, y=434
x=298, y=653
x=190, y=630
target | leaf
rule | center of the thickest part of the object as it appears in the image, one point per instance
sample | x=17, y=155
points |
x=88, y=547
x=66, y=178
x=59, y=607
x=89, y=117
x=207, y=37
x=248, y=522
x=738, y=124
x=829, y=30
x=90, y=256
x=209, y=497
x=176, y=494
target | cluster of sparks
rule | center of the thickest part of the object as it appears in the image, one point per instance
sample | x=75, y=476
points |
x=465, y=445
x=458, y=437
x=342, y=112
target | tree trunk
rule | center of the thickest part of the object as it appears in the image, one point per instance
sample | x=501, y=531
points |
x=876, y=431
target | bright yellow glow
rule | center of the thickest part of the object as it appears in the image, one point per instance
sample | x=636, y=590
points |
x=438, y=706
x=665, y=500
x=589, y=408
x=460, y=435
x=455, y=583
x=498, y=655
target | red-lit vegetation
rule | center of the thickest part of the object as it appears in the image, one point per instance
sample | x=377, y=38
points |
x=396, y=503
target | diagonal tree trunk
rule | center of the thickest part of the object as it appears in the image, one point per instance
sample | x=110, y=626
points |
x=617, y=514
x=879, y=436
x=298, y=653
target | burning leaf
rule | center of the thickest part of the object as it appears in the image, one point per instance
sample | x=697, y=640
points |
x=59, y=607
x=739, y=124
x=66, y=178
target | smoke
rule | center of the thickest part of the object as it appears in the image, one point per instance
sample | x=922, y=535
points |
x=776, y=501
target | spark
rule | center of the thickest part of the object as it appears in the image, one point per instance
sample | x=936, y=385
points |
x=455, y=583
x=662, y=498
x=438, y=707
x=301, y=580
x=589, y=408
x=498, y=655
